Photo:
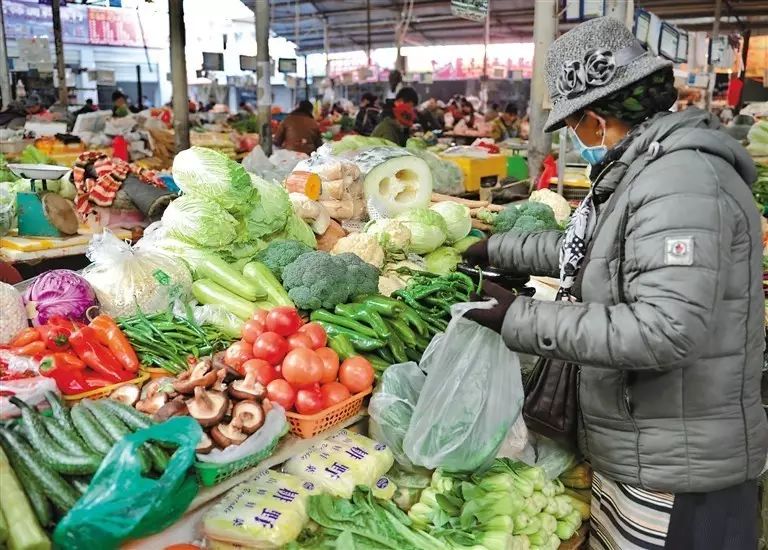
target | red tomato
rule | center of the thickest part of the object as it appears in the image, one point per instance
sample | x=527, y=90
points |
x=300, y=340
x=356, y=373
x=253, y=329
x=330, y=364
x=302, y=366
x=283, y=320
x=265, y=372
x=279, y=391
x=237, y=354
x=316, y=333
x=261, y=316
x=333, y=393
x=309, y=402
x=271, y=347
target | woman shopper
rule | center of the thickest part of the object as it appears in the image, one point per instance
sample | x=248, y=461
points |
x=660, y=302
x=299, y=131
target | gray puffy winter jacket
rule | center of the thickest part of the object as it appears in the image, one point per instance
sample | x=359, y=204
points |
x=670, y=331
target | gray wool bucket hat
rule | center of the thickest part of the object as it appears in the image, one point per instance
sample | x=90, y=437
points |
x=592, y=61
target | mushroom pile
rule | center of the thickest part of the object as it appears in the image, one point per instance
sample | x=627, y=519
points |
x=228, y=405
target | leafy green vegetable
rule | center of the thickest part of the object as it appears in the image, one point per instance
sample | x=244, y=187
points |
x=5, y=172
x=362, y=522
x=443, y=260
x=207, y=174
x=200, y=222
x=279, y=254
x=319, y=280
x=270, y=210
x=428, y=229
x=457, y=219
x=33, y=155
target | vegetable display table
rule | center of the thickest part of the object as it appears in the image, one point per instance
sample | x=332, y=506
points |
x=187, y=529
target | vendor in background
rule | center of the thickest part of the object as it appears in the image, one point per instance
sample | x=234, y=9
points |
x=89, y=107
x=398, y=117
x=368, y=115
x=492, y=112
x=507, y=124
x=429, y=116
x=299, y=131
x=15, y=115
x=660, y=305
x=119, y=104
x=468, y=121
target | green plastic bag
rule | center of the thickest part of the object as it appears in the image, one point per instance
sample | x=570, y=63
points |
x=121, y=503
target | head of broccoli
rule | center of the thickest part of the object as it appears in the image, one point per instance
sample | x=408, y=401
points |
x=529, y=216
x=280, y=253
x=319, y=280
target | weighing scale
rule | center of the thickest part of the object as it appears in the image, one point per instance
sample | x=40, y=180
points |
x=43, y=214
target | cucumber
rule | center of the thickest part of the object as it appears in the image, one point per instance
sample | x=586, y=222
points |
x=80, y=484
x=60, y=493
x=37, y=499
x=68, y=441
x=206, y=292
x=115, y=428
x=221, y=273
x=90, y=430
x=24, y=532
x=157, y=456
x=50, y=453
x=130, y=416
x=60, y=412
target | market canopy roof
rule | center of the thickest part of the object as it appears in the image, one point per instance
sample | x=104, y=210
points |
x=432, y=22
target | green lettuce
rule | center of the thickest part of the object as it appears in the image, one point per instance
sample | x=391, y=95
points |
x=200, y=222
x=428, y=229
x=269, y=211
x=209, y=175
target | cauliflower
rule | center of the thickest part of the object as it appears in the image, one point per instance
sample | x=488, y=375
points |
x=363, y=245
x=556, y=202
x=393, y=235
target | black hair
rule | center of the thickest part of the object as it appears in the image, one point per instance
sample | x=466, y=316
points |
x=304, y=107
x=369, y=97
x=407, y=95
x=511, y=109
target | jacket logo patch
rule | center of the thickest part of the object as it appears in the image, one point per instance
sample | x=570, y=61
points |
x=678, y=251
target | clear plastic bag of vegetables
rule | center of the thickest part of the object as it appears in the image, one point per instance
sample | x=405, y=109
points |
x=128, y=278
x=470, y=401
x=392, y=405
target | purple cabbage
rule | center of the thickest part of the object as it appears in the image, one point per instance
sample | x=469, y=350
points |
x=59, y=292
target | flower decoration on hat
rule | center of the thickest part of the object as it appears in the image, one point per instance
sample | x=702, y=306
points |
x=597, y=69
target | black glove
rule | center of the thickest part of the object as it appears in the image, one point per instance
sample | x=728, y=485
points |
x=491, y=318
x=477, y=254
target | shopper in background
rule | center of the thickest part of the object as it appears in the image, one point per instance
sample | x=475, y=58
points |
x=429, y=116
x=299, y=131
x=507, y=124
x=15, y=115
x=661, y=301
x=119, y=104
x=89, y=107
x=468, y=121
x=368, y=116
x=398, y=117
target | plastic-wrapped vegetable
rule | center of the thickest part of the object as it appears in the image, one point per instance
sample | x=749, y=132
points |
x=126, y=278
x=13, y=316
x=59, y=292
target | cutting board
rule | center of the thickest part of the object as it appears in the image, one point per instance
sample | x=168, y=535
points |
x=13, y=243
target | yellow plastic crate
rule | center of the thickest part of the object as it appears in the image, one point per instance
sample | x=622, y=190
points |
x=481, y=172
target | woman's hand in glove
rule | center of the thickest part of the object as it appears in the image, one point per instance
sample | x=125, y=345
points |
x=477, y=254
x=492, y=318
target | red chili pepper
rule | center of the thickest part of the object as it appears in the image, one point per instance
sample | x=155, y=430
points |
x=68, y=379
x=111, y=336
x=85, y=343
x=56, y=338
x=26, y=336
x=32, y=349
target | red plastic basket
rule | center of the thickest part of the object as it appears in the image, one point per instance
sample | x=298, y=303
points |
x=306, y=426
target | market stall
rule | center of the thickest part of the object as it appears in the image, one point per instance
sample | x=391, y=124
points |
x=256, y=342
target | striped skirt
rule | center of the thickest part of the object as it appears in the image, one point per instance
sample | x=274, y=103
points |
x=627, y=518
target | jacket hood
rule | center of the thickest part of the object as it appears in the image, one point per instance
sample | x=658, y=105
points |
x=691, y=129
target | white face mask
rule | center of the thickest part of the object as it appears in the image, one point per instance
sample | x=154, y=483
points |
x=593, y=155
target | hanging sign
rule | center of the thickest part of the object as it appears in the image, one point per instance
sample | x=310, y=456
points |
x=474, y=10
